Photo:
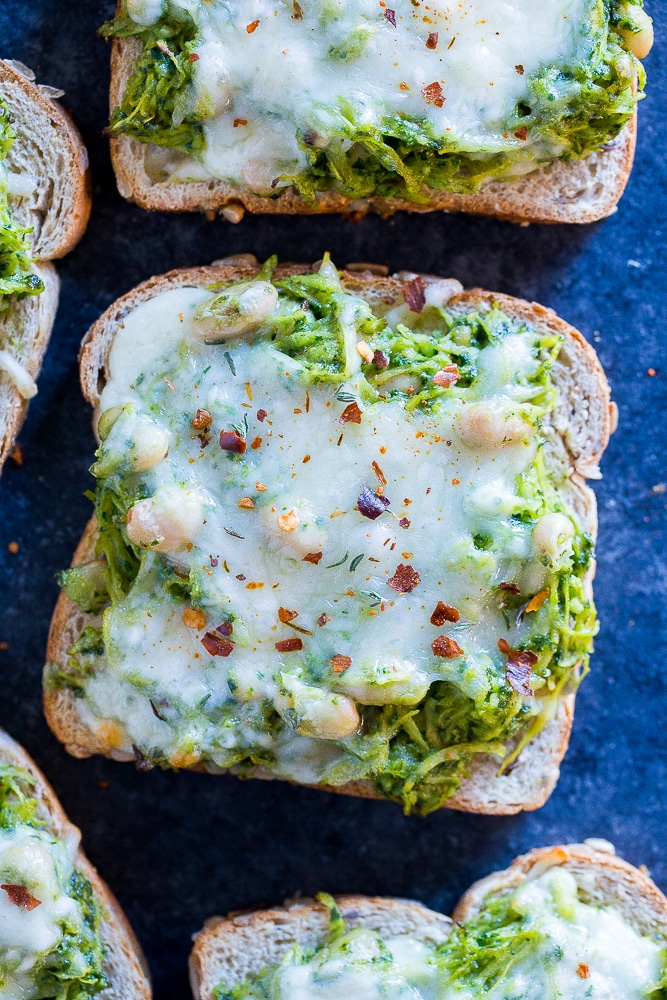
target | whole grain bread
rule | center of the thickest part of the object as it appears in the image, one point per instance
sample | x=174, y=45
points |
x=124, y=964
x=48, y=150
x=227, y=951
x=576, y=433
x=577, y=191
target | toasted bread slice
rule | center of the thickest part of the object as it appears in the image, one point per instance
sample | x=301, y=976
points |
x=125, y=965
x=56, y=205
x=231, y=950
x=577, y=434
x=577, y=191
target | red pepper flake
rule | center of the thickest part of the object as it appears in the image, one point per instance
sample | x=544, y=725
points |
x=447, y=377
x=193, y=57
x=19, y=896
x=433, y=93
x=215, y=561
x=522, y=133
x=289, y=645
x=341, y=663
x=202, y=420
x=216, y=645
x=285, y=615
x=370, y=504
x=518, y=669
x=16, y=454
x=256, y=443
x=413, y=293
x=232, y=441
x=379, y=473
x=404, y=522
x=297, y=12
x=262, y=415
x=444, y=613
x=536, y=602
x=252, y=27
x=240, y=121
x=432, y=40
x=390, y=15
x=446, y=648
x=380, y=359
x=582, y=970
x=312, y=557
x=241, y=576
x=350, y=415
x=509, y=588
x=225, y=628
x=404, y=580
x=649, y=371
x=520, y=70
x=193, y=618
x=247, y=503
x=322, y=620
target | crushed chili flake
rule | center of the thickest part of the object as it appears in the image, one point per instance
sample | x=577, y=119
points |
x=322, y=620
x=214, y=561
x=404, y=522
x=444, y=613
x=536, y=602
x=379, y=473
x=225, y=628
x=252, y=27
x=241, y=576
x=240, y=121
x=192, y=618
x=380, y=359
x=19, y=896
x=433, y=93
x=260, y=487
x=446, y=648
x=216, y=645
x=365, y=352
x=370, y=504
x=247, y=503
x=447, y=377
x=390, y=15
x=522, y=133
x=232, y=441
x=193, y=57
x=519, y=69
x=312, y=557
x=520, y=663
x=351, y=414
x=202, y=420
x=413, y=293
x=288, y=522
x=285, y=615
x=256, y=443
x=432, y=40
x=404, y=580
x=297, y=12
x=262, y=415
x=341, y=663
x=582, y=970
x=509, y=588
x=16, y=454
x=289, y=645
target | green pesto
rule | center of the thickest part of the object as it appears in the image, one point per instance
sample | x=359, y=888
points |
x=74, y=969
x=16, y=277
x=414, y=755
x=576, y=109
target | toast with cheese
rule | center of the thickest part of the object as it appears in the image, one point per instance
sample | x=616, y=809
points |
x=356, y=108
x=45, y=201
x=390, y=553
x=62, y=932
x=559, y=921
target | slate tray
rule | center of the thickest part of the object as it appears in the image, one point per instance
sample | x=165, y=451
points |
x=177, y=848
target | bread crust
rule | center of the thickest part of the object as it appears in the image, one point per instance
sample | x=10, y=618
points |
x=49, y=148
x=528, y=784
x=576, y=191
x=124, y=964
x=225, y=945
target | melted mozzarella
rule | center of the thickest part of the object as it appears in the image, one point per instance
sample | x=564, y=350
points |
x=35, y=860
x=303, y=472
x=266, y=78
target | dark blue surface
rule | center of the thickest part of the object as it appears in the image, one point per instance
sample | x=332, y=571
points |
x=177, y=848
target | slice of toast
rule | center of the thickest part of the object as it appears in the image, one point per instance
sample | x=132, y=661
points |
x=576, y=433
x=230, y=950
x=124, y=964
x=56, y=205
x=577, y=191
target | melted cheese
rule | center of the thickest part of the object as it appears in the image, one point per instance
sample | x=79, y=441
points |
x=266, y=78
x=43, y=865
x=587, y=951
x=240, y=527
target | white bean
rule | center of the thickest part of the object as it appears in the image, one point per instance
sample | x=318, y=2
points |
x=397, y=683
x=167, y=521
x=314, y=712
x=485, y=425
x=235, y=311
x=553, y=535
x=638, y=42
